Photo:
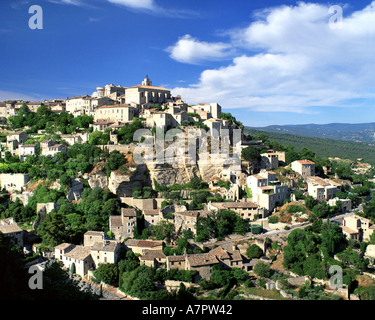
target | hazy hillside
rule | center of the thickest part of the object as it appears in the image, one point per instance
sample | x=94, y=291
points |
x=339, y=131
x=323, y=147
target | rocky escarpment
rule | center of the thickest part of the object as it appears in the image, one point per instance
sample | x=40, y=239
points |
x=180, y=173
x=166, y=174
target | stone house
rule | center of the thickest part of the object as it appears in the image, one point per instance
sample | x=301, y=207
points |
x=26, y=150
x=44, y=145
x=214, y=109
x=86, y=105
x=51, y=149
x=245, y=209
x=13, y=181
x=267, y=192
x=160, y=119
x=202, y=263
x=269, y=161
x=187, y=220
x=305, y=168
x=123, y=113
x=153, y=258
x=69, y=253
x=346, y=204
x=176, y=262
x=14, y=139
x=152, y=217
x=123, y=226
x=20, y=136
x=146, y=93
x=71, y=139
x=105, y=251
x=96, y=249
x=357, y=227
x=10, y=229
x=322, y=189
x=139, y=246
x=228, y=258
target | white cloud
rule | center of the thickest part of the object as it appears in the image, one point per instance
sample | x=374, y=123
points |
x=190, y=50
x=136, y=4
x=151, y=7
x=299, y=62
x=10, y=95
x=71, y=2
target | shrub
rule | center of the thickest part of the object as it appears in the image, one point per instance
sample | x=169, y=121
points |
x=273, y=219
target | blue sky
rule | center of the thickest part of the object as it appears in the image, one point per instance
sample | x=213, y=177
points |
x=266, y=62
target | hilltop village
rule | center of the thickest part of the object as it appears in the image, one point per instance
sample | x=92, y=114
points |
x=268, y=226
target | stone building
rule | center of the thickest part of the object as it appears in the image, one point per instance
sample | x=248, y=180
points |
x=267, y=192
x=140, y=246
x=245, y=209
x=269, y=161
x=146, y=93
x=357, y=227
x=305, y=168
x=86, y=105
x=115, y=113
x=187, y=220
x=123, y=226
x=13, y=181
x=153, y=258
x=322, y=189
x=26, y=150
x=10, y=229
x=202, y=263
x=69, y=253
x=152, y=217
x=95, y=250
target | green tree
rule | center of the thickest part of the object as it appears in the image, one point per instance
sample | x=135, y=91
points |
x=251, y=154
x=262, y=269
x=107, y=273
x=254, y=251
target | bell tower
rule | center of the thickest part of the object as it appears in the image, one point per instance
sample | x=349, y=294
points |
x=146, y=81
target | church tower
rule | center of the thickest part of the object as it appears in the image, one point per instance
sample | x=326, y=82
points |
x=146, y=81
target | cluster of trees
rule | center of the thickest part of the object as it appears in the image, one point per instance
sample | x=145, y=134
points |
x=14, y=279
x=70, y=221
x=310, y=251
x=45, y=119
x=218, y=224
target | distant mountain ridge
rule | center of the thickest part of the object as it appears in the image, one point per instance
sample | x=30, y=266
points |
x=364, y=132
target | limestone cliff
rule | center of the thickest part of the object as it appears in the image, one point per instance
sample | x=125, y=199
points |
x=122, y=184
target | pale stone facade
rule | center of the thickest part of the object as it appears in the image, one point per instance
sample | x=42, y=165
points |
x=245, y=209
x=26, y=150
x=322, y=189
x=267, y=192
x=214, y=109
x=116, y=113
x=69, y=253
x=86, y=105
x=123, y=226
x=270, y=161
x=140, y=246
x=187, y=220
x=96, y=250
x=13, y=181
x=9, y=228
x=357, y=227
x=146, y=93
x=305, y=168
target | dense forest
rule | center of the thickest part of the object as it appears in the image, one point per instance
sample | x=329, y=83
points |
x=323, y=148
